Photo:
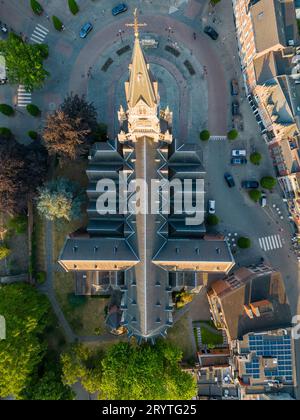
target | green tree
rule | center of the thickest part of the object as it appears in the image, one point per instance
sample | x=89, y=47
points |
x=24, y=62
x=255, y=195
x=205, y=135
x=18, y=224
x=4, y=252
x=232, y=134
x=36, y=7
x=33, y=135
x=268, y=182
x=60, y=200
x=212, y=220
x=33, y=110
x=5, y=132
x=26, y=312
x=73, y=6
x=145, y=373
x=57, y=23
x=7, y=110
x=255, y=158
x=244, y=243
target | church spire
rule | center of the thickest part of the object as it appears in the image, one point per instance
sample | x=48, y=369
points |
x=140, y=85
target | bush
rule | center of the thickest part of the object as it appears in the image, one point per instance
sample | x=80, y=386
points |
x=4, y=252
x=76, y=301
x=36, y=7
x=41, y=277
x=5, y=132
x=57, y=23
x=255, y=158
x=7, y=110
x=212, y=220
x=244, y=243
x=33, y=135
x=232, y=134
x=18, y=224
x=33, y=110
x=268, y=182
x=205, y=135
x=73, y=7
x=255, y=195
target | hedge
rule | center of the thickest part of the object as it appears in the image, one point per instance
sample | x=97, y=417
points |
x=7, y=110
x=33, y=110
x=73, y=6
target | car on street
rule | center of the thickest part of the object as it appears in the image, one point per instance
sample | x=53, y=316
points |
x=229, y=179
x=85, y=30
x=121, y=8
x=239, y=161
x=238, y=153
x=234, y=87
x=250, y=185
x=211, y=206
x=211, y=32
x=263, y=200
x=235, y=108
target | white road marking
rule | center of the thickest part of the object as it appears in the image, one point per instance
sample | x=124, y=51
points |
x=270, y=243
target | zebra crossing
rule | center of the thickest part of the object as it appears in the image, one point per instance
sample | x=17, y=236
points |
x=39, y=34
x=218, y=138
x=24, y=97
x=269, y=243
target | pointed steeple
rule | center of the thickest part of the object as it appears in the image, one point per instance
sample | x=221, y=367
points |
x=140, y=85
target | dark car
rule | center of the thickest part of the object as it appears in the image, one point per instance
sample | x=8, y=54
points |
x=234, y=87
x=85, y=30
x=122, y=7
x=208, y=30
x=235, y=108
x=229, y=179
x=238, y=161
x=250, y=184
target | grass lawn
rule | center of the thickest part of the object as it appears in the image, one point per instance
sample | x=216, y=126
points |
x=180, y=336
x=210, y=338
x=40, y=250
x=86, y=318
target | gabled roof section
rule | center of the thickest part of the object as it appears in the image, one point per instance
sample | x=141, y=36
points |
x=140, y=85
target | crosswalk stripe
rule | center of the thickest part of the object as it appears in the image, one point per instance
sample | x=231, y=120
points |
x=260, y=242
x=267, y=244
x=38, y=36
x=40, y=31
x=276, y=241
x=273, y=242
x=279, y=240
x=270, y=243
x=43, y=28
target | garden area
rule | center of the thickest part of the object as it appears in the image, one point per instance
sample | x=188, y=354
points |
x=86, y=315
x=206, y=335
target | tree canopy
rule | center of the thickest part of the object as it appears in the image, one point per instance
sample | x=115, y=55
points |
x=68, y=131
x=60, y=199
x=26, y=313
x=24, y=62
x=268, y=182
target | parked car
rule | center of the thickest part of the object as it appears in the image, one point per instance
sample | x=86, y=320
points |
x=85, y=30
x=238, y=153
x=263, y=200
x=121, y=8
x=211, y=206
x=250, y=184
x=208, y=30
x=235, y=108
x=238, y=161
x=234, y=87
x=229, y=179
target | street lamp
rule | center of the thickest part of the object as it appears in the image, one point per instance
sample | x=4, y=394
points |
x=120, y=34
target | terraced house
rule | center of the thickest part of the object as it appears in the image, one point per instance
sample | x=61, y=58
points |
x=146, y=255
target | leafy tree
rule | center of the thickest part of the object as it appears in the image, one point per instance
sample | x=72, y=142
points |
x=232, y=134
x=33, y=110
x=60, y=200
x=73, y=6
x=255, y=158
x=212, y=220
x=26, y=313
x=84, y=365
x=36, y=7
x=5, y=132
x=18, y=224
x=244, y=243
x=183, y=298
x=205, y=135
x=268, y=182
x=255, y=195
x=57, y=23
x=24, y=62
x=100, y=133
x=33, y=135
x=7, y=110
x=145, y=373
x=67, y=133
x=4, y=252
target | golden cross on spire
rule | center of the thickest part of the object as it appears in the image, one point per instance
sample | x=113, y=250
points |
x=136, y=25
